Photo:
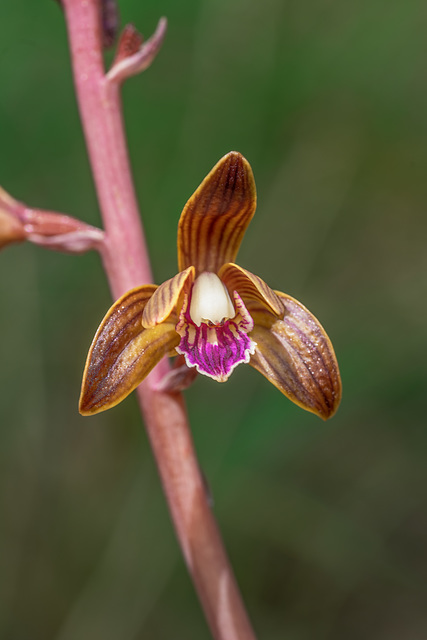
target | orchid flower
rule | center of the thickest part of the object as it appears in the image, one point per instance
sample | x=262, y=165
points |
x=214, y=313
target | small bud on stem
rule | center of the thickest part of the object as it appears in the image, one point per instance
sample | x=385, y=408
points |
x=134, y=55
x=45, y=228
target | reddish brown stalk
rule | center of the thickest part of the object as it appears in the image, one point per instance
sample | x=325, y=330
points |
x=126, y=264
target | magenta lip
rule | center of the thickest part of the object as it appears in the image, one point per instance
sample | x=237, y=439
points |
x=215, y=350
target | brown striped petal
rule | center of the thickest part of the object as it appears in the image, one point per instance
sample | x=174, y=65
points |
x=166, y=297
x=296, y=355
x=250, y=287
x=216, y=216
x=123, y=352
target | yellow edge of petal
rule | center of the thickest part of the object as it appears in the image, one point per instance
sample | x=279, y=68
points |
x=250, y=287
x=166, y=298
x=121, y=322
x=133, y=364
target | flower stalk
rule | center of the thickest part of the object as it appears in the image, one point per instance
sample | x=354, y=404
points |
x=127, y=265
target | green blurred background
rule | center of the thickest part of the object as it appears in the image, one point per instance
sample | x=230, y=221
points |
x=325, y=523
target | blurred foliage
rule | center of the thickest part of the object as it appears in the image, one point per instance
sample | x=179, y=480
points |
x=325, y=523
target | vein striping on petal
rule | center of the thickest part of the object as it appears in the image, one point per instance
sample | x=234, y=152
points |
x=216, y=216
x=166, y=297
x=118, y=337
x=250, y=287
x=215, y=349
x=296, y=355
x=128, y=367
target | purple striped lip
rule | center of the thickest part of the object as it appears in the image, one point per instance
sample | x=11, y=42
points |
x=216, y=349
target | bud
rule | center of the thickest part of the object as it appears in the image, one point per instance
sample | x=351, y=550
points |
x=59, y=232
x=134, y=55
x=11, y=228
x=129, y=43
x=45, y=228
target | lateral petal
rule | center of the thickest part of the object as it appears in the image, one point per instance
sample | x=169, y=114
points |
x=250, y=287
x=216, y=216
x=296, y=355
x=123, y=352
x=166, y=297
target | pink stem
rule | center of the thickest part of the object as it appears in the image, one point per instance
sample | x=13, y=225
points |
x=126, y=264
